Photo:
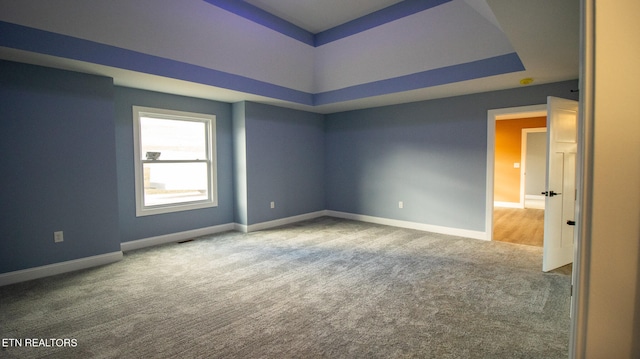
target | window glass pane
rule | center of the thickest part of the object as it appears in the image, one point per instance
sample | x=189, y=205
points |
x=175, y=160
x=167, y=183
x=174, y=139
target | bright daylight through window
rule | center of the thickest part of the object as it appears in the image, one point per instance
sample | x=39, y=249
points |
x=174, y=160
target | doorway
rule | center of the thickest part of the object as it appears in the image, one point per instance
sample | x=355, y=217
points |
x=519, y=179
x=492, y=117
x=534, y=167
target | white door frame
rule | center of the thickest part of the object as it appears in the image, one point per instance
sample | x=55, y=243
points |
x=492, y=116
x=581, y=262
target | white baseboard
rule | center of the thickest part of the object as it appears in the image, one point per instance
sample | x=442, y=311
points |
x=59, y=268
x=175, y=237
x=278, y=222
x=411, y=225
x=534, y=201
x=534, y=196
x=240, y=227
x=508, y=204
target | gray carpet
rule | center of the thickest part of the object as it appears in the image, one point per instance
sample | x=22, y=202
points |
x=327, y=288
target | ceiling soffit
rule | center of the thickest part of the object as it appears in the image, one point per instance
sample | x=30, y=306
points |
x=404, y=48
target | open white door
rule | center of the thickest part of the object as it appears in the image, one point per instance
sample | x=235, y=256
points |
x=560, y=194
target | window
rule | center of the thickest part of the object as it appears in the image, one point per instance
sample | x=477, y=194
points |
x=175, y=166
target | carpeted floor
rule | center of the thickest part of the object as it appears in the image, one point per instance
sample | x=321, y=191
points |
x=325, y=288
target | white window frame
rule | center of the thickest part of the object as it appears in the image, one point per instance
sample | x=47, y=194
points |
x=210, y=129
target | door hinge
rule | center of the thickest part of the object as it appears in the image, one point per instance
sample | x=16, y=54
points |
x=571, y=291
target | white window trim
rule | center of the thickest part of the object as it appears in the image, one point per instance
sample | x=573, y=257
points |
x=210, y=122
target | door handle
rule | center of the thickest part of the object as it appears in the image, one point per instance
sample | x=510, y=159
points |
x=571, y=223
x=550, y=193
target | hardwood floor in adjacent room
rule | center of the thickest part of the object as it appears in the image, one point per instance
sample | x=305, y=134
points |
x=520, y=226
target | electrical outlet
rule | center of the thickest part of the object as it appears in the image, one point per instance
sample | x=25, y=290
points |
x=58, y=237
x=400, y=204
x=273, y=204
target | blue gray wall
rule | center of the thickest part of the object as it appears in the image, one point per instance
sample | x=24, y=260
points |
x=284, y=162
x=58, y=166
x=132, y=227
x=67, y=145
x=431, y=155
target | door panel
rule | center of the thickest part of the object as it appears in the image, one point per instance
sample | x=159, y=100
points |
x=562, y=119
